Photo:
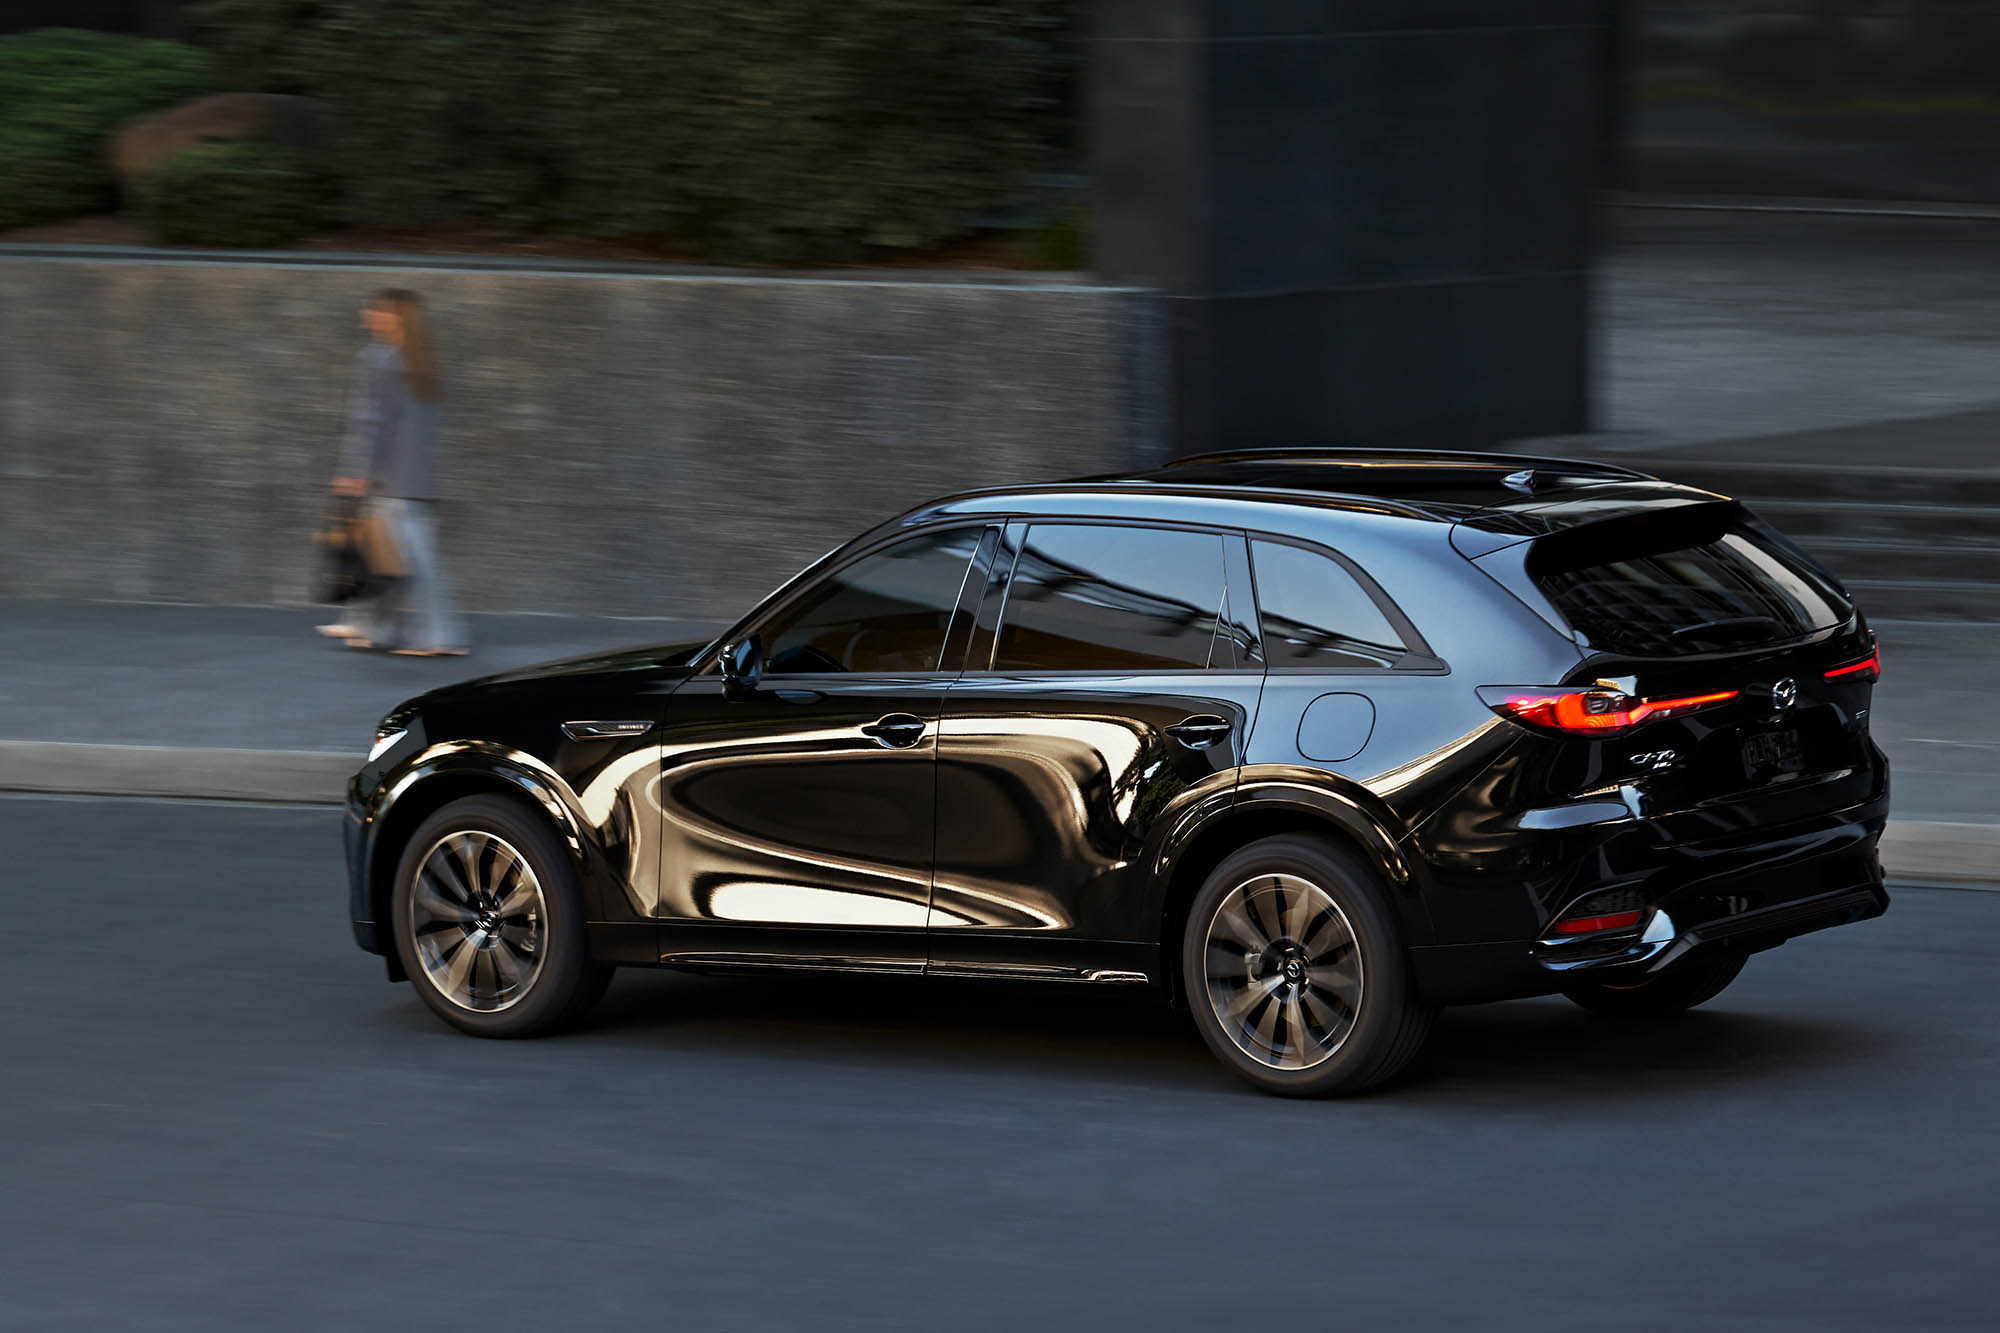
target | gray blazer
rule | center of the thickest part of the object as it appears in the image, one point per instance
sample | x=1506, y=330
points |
x=392, y=435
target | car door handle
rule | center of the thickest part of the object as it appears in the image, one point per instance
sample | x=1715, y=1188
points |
x=897, y=730
x=1200, y=731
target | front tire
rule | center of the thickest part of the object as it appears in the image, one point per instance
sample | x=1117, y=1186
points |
x=1295, y=973
x=489, y=921
x=1673, y=990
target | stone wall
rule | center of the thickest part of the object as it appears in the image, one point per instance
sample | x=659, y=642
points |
x=623, y=443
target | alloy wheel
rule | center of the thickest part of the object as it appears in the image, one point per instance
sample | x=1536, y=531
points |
x=478, y=921
x=1283, y=971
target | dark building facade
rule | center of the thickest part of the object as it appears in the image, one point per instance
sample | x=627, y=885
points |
x=1845, y=99
x=1369, y=220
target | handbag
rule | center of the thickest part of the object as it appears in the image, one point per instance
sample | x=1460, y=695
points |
x=359, y=555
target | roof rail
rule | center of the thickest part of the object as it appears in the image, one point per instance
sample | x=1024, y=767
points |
x=1138, y=486
x=1362, y=457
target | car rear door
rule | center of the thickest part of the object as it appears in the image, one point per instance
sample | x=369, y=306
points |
x=1111, y=685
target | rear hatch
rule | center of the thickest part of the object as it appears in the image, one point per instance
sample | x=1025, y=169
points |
x=1720, y=681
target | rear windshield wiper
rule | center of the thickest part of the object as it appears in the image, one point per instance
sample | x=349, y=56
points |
x=1733, y=626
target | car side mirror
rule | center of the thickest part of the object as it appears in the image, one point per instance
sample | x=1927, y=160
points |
x=742, y=667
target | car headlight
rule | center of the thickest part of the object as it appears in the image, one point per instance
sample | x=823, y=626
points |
x=386, y=737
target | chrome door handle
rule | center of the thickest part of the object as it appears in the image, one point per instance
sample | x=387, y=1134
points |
x=1200, y=731
x=896, y=731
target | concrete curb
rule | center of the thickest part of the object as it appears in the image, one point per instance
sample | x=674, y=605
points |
x=310, y=777
x=1918, y=849
x=1911, y=849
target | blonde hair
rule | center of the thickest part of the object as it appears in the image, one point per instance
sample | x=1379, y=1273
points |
x=419, y=358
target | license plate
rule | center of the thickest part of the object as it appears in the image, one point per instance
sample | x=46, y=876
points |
x=1772, y=752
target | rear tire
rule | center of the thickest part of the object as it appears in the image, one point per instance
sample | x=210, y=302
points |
x=1674, y=990
x=489, y=921
x=1295, y=972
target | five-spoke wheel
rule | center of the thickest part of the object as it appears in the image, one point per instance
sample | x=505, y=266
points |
x=1295, y=970
x=1283, y=974
x=489, y=920
x=479, y=921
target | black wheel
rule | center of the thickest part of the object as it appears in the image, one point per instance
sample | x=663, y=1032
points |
x=1295, y=974
x=489, y=921
x=1672, y=990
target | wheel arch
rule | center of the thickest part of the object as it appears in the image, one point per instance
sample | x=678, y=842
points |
x=1272, y=807
x=428, y=787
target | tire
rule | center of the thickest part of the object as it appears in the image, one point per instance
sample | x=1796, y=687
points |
x=1674, y=990
x=530, y=971
x=1269, y=956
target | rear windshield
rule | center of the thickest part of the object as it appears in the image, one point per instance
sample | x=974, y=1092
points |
x=1701, y=579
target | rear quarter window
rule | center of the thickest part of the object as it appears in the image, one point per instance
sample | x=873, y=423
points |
x=1315, y=614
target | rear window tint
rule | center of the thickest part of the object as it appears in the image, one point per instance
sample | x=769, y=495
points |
x=1696, y=580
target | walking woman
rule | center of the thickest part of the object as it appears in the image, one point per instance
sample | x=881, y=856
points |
x=391, y=458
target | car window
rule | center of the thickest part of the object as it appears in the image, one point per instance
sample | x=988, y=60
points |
x=1105, y=598
x=1315, y=613
x=885, y=612
x=1691, y=580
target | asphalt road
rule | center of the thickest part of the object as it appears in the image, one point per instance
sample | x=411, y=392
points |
x=217, y=1115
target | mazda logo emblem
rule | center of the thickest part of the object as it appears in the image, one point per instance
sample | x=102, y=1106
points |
x=1784, y=694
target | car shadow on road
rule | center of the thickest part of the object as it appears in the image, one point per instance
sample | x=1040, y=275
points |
x=1129, y=1037
x=1539, y=1046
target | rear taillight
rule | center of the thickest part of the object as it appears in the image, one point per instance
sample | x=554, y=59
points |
x=1862, y=672
x=1597, y=711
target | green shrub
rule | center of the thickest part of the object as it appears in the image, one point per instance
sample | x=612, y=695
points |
x=785, y=130
x=250, y=195
x=1059, y=242
x=61, y=95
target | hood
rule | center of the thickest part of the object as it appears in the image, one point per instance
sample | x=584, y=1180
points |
x=669, y=658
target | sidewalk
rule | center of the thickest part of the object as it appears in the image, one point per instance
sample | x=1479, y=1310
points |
x=249, y=704
x=236, y=703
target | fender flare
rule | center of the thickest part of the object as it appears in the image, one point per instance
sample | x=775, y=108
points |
x=1282, y=789
x=495, y=765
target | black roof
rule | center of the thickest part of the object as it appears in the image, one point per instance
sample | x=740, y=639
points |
x=1462, y=480
x=1503, y=497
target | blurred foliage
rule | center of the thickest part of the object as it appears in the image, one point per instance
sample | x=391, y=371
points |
x=61, y=94
x=765, y=130
x=253, y=195
x=1060, y=242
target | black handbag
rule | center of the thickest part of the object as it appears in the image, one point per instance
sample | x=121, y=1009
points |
x=357, y=557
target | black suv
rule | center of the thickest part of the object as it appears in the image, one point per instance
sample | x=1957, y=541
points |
x=1314, y=742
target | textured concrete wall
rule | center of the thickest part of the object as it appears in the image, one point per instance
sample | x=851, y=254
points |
x=659, y=444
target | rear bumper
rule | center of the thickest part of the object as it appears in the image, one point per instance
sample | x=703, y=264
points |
x=1661, y=942
x=1743, y=894
x=1771, y=926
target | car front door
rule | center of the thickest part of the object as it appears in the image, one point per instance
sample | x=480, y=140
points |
x=799, y=814
x=1111, y=685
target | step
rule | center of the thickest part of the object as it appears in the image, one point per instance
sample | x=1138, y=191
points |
x=1896, y=599
x=1958, y=527
x=1921, y=562
x=1755, y=481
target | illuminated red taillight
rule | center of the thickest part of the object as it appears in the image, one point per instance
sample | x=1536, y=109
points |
x=1864, y=671
x=1597, y=711
x=1584, y=925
